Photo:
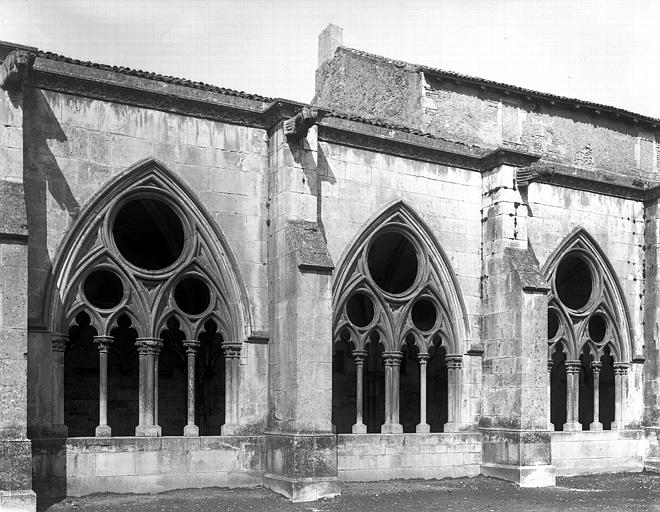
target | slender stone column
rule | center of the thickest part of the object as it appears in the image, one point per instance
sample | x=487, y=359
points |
x=59, y=342
x=572, y=395
x=423, y=427
x=620, y=372
x=359, y=427
x=392, y=367
x=454, y=392
x=103, y=343
x=191, y=430
x=232, y=353
x=596, y=424
x=551, y=426
x=148, y=350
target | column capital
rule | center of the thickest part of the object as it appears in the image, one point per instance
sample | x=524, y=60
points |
x=393, y=357
x=454, y=361
x=148, y=346
x=103, y=342
x=191, y=346
x=621, y=368
x=596, y=366
x=359, y=356
x=59, y=342
x=573, y=365
x=232, y=349
x=423, y=357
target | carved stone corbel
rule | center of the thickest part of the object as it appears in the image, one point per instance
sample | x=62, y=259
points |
x=298, y=125
x=14, y=69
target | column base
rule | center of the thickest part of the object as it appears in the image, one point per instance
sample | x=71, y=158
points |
x=423, y=428
x=303, y=489
x=148, y=431
x=359, y=428
x=617, y=425
x=455, y=426
x=525, y=476
x=595, y=425
x=103, y=431
x=302, y=467
x=191, y=431
x=18, y=501
x=230, y=429
x=572, y=427
x=391, y=428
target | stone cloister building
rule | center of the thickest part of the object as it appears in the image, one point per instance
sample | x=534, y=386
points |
x=418, y=275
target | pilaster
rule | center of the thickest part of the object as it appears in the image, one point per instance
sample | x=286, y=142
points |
x=301, y=455
x=15, y=449
x=516, y=444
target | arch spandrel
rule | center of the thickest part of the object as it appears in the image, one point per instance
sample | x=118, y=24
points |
x=148, y=176
x=433, y=265
x=607, y=296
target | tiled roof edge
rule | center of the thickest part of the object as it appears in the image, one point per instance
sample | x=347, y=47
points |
x=153, y=76
x=499, y=85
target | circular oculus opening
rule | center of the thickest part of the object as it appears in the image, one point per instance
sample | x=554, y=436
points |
x=573, y=282
x=392, y=262
x=597, y=328
x=103, y=289
x=553, y=324
x=424, y=315
x=148, y=233
x=360, y=309
x=192, y=296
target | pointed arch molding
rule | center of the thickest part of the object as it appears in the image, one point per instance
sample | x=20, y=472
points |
x=441, y=285
x=607, y=296
x=81, y=246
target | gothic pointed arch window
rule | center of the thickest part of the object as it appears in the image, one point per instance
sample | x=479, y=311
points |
x=147, y=291
x=399, y=331
x=589, y=340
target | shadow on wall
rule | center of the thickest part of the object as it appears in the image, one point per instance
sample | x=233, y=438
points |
x=43, y=182
x=315, y=174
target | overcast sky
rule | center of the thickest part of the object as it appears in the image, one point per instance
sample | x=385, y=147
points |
x=607, y=51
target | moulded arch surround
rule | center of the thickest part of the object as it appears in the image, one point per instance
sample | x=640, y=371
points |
x=579, y=238
x=400, y=212
x=147, y=172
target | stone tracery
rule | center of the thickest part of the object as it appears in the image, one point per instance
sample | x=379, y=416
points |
x=109, y=275
x=588, y=338
x=401, y=297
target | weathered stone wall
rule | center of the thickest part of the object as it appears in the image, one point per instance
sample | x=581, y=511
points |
x=75, y=145
x=367, y=457
x=371, y=86
x=76, y=467
x=608, y=451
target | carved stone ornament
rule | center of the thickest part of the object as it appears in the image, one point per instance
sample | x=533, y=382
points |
x=14, y=69
x=298, y=125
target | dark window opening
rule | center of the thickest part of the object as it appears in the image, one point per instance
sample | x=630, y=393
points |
x=573, y=282
x=553, y=324
x=172, y=380
x=374, y=386
x=81, y=379
x=597, y=328
x=210, y=382
x=192, y=295
x=424, y=315
x=103, y=289
x=558, y=390
x=123, y=378
x=409, y=392
x=437, y=389
x=148, y=233
x=392, y=262
x=360, y=309
x=606, y=396
x=344, y=388
x=586, y=392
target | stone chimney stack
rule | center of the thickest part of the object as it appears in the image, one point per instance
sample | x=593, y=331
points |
x=329, y=40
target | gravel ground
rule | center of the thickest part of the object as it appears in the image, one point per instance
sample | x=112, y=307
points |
x=611, y=492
